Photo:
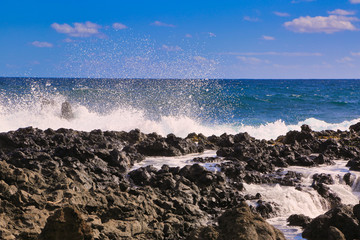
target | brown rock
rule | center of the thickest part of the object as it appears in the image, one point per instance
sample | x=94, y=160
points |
x=66, y=223
x=241, y=224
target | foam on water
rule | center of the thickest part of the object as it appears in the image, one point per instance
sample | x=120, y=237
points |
x=287, y=199
x=179, y=161
x=126, y=118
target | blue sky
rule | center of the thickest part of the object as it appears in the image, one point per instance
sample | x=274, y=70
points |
x=180, y=39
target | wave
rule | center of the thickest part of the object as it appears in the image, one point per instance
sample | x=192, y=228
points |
x=45, y=116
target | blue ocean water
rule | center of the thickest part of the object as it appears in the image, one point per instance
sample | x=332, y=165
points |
x=264, y=108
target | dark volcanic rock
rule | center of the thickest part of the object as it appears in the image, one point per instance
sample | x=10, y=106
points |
x=354, y=164
x=42, y=172
x=298, y=220
x=241, y=224
x=334, y=224
x=66, y=223
x=355, y=127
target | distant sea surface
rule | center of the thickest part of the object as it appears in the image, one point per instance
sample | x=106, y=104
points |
x=263, y=108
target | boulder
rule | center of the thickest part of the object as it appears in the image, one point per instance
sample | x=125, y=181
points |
x=239, y=223
x=337, y=223
x=66, y=223
x=298, y=220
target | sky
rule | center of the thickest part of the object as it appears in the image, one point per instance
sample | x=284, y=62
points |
x=269, y=39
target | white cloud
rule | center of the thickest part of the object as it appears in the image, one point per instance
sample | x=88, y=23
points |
x=162, y=24
x=282, y=14
x=200, y=59
x=267, y=38
x=42, y=44
x=171, y=48
x=119, y=26
x=250, y=19
x=212, y=34
x=86, y=29
x=188, y=35
x=345, y=60
x=251, y=60
x=284, y=54
x=355, y=54
x=355, y=1
x=203, y=60
x=330, y=24
x=68, y=40
x=341, y=12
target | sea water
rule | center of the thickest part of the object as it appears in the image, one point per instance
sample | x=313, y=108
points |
x=263, y=108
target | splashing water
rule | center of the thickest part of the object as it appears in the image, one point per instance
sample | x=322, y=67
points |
x=171, y=106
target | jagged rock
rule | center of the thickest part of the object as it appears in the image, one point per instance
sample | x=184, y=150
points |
x=66, y=223
x=355, y=127
x=354, y=164
x=323, y=178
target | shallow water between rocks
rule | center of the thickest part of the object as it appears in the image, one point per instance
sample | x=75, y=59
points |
x=287, y=199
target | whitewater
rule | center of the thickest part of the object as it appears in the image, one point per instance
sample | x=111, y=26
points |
x=287, y=199
x=125, y=119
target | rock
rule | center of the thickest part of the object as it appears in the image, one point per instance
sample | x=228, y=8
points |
x=349, y=179
x=66, y=111
x=335, y=234
x=356, y=211
x=323, y=178
x=298, y=220
x=266, y=209
x=334, y=224
x=241, y=223
x=238, y=223
x=305, y=134
x=354, y=164
x=355, y=127
x=66, y=223
x=204, y=233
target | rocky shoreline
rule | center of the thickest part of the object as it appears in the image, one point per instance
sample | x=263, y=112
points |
x=67, y=184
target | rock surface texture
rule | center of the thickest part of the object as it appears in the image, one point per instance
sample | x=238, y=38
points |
x=67, y=184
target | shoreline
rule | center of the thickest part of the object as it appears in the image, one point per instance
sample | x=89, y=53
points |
x=85, y=176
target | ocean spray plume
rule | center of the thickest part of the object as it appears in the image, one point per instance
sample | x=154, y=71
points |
x=127, y=55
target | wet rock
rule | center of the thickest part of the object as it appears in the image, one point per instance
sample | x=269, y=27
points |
x=322, y=159
x=66, y=110
x=355, y=127
x=266, y=209
x=356, y=211
x=354, y=164
x=323, y=178
x=66, y=223
x=349, y=179
x=298, y=220
x=326, y=193
x=294, y=136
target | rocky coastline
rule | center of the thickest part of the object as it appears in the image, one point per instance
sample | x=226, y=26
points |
x=68, y=184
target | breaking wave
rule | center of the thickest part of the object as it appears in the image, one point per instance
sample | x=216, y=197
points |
x=48, y=115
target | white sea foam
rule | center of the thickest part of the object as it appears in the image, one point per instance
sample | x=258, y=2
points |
x=48, y=116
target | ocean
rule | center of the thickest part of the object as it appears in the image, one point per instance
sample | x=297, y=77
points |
x=263, y=108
